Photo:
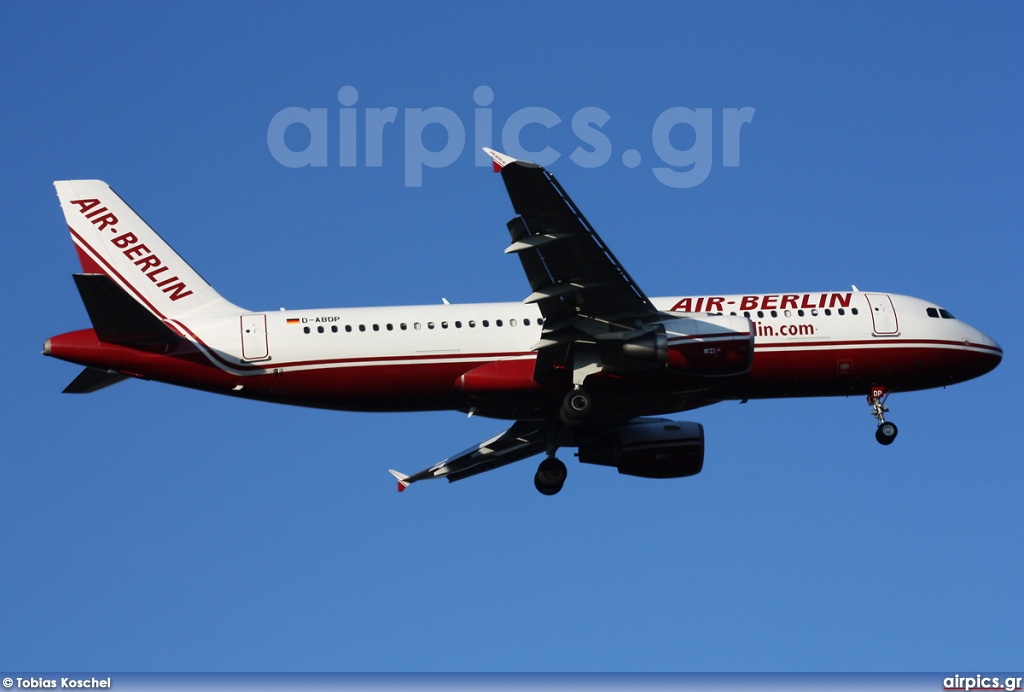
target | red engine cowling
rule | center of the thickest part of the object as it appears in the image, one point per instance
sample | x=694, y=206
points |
x=651, y=448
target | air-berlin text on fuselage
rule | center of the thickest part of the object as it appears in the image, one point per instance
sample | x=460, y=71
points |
x=143, y=258
x=775, y=301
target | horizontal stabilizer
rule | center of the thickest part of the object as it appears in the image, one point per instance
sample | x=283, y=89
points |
x=92, y=380
x=116, y=316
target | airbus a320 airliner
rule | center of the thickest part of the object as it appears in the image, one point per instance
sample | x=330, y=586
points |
x=587, y=360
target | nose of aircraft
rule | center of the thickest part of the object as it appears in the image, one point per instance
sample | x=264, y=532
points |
x=988, y=353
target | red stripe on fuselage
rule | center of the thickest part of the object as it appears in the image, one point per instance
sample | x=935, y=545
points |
x=431, y=383
x=827, y=344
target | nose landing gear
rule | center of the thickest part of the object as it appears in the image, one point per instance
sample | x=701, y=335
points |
x=886, y=432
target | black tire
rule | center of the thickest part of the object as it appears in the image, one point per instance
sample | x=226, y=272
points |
x=550, y=476
x=576, y=406
x=886, y=433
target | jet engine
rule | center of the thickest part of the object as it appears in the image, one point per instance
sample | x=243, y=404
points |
x=710, y=345
x=705, y=346
x=649, y=448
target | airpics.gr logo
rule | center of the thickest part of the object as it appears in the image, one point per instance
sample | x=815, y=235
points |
x=678, y=168
x=981, y=682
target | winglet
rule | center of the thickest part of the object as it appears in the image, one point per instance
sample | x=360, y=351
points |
x=500, y=160
x=403, y=480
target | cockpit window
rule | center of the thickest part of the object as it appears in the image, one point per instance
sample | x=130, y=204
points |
x=933, y=312
x=946, y=315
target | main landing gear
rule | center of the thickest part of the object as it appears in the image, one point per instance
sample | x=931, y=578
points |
x=550, y=476
x=886, y=432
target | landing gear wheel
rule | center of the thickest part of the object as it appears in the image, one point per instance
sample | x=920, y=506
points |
x=550, y=476
x=576, y=406
x=886, y=433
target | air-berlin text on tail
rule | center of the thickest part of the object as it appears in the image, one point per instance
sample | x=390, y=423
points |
x=774, y=301
x=127, y=243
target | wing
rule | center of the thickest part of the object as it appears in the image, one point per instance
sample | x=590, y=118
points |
x=583, y=292
x=520, y=441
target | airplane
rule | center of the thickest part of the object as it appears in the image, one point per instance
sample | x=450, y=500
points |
x=586, y=360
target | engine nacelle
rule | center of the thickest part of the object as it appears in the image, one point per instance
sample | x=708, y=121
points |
x=651, y=347
x=649, y=448
x=710, y=345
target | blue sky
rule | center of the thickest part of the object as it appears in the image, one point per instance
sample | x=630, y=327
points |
x=149, y=528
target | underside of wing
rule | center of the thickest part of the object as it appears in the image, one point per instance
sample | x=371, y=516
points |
x=522, y=440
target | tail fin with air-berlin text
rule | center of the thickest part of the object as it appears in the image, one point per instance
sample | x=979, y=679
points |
x=112, y=240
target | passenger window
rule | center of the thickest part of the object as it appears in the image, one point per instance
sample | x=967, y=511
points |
x=814, y=312
x=853, y=311
x=512, y=323
x=527, y=322
x=305, y=330
x=415, y=325
x=760, y=313
x=348, y=327
x=540, y=320
x=787, y=313
x=444, y=325
x=842, y=312
x=390, y=327
x=403, y=326
x=486, y=323
x=497, y=323
x=334, y=328
x=320, y=329
x=800, y=312
x=430, y=325
x=775, y=313
x=828, y=312
x=376, y=327
x=362, y=327
x=472, y=323
x=747, y=314
x=458, y=324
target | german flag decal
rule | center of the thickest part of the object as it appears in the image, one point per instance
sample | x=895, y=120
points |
x=293, y=320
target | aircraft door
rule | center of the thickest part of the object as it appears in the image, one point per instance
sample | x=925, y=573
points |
x=883, y=314
x=254, y=337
